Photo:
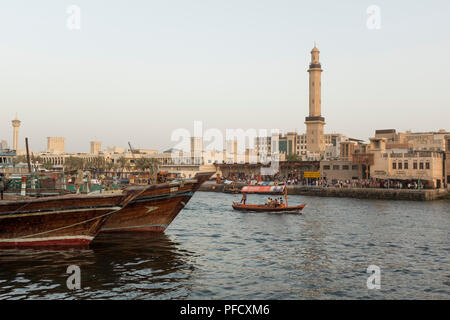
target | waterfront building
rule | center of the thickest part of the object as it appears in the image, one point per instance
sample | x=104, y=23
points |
x=6, y=158
x=338, y=170
x=293, y=143
x=287, y=170
x=263, y=147
x=58, y=159
x=419, y=141
x=96, y=147
x=406, y=165
x=56, y=145
x=315, y=122
x=426, y=141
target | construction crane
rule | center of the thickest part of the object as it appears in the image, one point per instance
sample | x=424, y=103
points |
x=131, y=149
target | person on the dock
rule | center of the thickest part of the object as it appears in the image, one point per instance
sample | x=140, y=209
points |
x=2, y=185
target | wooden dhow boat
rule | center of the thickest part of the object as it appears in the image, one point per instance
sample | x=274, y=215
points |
x=59, y=220
x=275, y=207
x=156, y=207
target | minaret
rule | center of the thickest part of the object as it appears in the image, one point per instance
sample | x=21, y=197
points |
x=16, y=125
x=315, y=141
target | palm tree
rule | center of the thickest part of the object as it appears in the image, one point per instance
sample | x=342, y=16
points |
x=152, y=164
x=74, y=163
x=141, y=164
x=19, y=159
x=47, y=165
x=122, y=162
x=293, y=157
x=108, y=166
x=154, y=168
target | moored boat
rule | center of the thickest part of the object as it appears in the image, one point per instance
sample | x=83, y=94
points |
x=58, y=220
x=156, y=207
x=273, y=206
x=266, y=208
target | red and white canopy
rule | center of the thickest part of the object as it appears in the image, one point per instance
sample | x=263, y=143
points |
x=263, y=189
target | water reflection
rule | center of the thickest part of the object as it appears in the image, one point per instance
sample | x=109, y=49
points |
x=213, y=252
x=124, y=266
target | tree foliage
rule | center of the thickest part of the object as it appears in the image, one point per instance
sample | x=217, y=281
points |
x=293, y=157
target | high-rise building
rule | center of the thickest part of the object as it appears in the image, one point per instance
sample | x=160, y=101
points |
x=3, y=145
x=16, y=125
x=56, y=145
x=196, y=150
x=96, y=147
x=315, y=122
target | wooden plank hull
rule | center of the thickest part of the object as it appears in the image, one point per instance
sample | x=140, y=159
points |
x=64, y=220
x=264, y=208
x=155, y=208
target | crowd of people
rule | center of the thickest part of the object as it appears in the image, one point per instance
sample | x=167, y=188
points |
x=324, y=182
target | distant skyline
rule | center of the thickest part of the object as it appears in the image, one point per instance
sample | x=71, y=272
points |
x=137, y=72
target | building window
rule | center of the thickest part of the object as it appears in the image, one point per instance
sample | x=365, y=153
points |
x=354, y=167
x=326, y=167
x=415, y=165
x=344, y=167
x=394, y=165
x=400, y=166
x=421, y=166
x=336, y=167
x=427, y=166
x=406, y=165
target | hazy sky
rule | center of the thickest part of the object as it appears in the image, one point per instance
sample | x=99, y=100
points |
x=137, y=70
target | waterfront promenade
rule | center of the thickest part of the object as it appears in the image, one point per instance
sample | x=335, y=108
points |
x=360, y=193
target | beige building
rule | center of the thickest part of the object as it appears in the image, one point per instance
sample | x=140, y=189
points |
x=335, y=170
x=419, y=141
x=447, y=161
x=296, y=143
x=427, y=141
x=315, y=122
x=56, y=145
x=114, y=150
x=96, y=147
x=146, y=151
x=406, y=165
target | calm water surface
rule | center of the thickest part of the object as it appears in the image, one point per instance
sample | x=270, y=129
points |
x=213, y=252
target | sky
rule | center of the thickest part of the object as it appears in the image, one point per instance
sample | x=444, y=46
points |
x=138, y=70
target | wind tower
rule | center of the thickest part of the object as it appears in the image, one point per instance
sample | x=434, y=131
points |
x=315, y=141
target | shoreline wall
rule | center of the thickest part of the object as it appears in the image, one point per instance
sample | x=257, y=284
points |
x=359, y=193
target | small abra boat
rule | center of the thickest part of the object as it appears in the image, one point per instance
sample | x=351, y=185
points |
x=269, y=207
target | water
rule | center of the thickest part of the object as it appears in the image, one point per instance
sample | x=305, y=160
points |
x=213, y=252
